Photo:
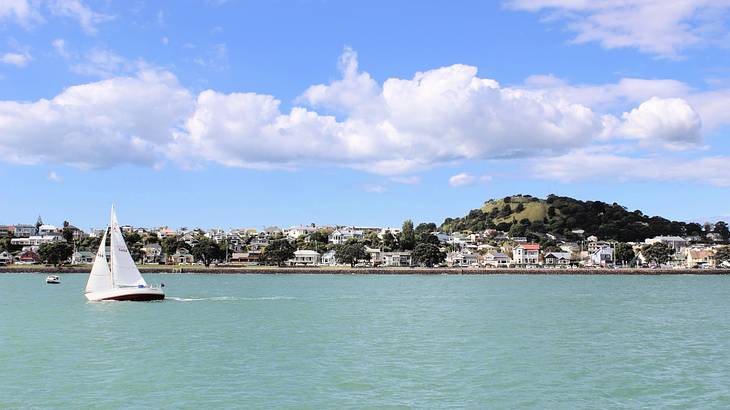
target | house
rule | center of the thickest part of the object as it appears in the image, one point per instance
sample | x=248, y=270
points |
x=296, y=231
x=396, y=258
x=7, y=231
x=700, y=258
x=182, y=257
x=152, y=253
x=46, y=229
x=497, y=260
x=602, y=256
x=461, y=259
x=5, y=258
x=328, y=259
x=25, y=230
x=250, y=257
x=82, y=258
x=557, y=258
x=376, y=257
x=35, y=241
x=340, y=236
x=526, y=254
x=304, y=257
x=27, y=257
x=674, y=242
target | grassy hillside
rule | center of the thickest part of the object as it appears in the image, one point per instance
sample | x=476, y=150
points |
x=535, y=209
x=524, y=215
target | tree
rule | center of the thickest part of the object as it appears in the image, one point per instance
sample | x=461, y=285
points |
x=134, y=244
x=321, y=235
x=624, y=253
x=278, y=251
x=423, y=230
x=67, y=233
x=658, y=253
x=207, y=250
x=722, y=230
x=55, y=253
x=351, y=252
x=169, y=245
x=722, y=255
x=389, y=242
x=427, y=254
x=407, y=238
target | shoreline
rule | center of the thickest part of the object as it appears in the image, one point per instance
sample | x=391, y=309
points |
x=273, y=270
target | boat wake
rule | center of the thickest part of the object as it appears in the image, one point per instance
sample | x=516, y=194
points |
x=228, y=298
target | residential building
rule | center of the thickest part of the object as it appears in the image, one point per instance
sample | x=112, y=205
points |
x=82, y=258
x=602, y=256
x=674, y=242
x=182, y=257
x=27, y=257
x=497, y=260
x=25, y=230
x=305, y=257
x=557, y=258
x=700, y=258
x=342, y=235
x=396, y=258
x=461, y=259
x=526, y=254
x=248, y=258
x=328, y=259
x=5, y=258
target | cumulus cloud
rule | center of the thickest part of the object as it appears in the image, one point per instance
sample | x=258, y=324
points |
x=401, y=126
x=670, y=122
x=101, y=124
x=659, y=27
x=462, y=179
x=16, y=59
x=376, y=189
x=590, y=165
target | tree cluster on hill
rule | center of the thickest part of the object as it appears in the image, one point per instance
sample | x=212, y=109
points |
x=563, y=215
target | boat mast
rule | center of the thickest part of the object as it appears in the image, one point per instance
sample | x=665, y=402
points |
x=111, y=253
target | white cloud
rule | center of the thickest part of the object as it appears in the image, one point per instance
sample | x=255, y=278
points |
x=591, y=165
x=376, y=189
x=670, y=122
x=101, y=124
x=54, y=177
x=16, y=59
x=462, y=179
x=76, y=9
x=103, y=63
x=59, y=45
x=659, y=27
x=23, y=12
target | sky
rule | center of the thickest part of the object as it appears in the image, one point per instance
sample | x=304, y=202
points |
x=256, y=113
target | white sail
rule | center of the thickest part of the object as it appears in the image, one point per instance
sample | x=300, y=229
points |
x=101, y=277
x=124, y=271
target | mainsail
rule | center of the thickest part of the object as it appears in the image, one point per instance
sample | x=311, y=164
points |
x=124, y=271
x=100, y=277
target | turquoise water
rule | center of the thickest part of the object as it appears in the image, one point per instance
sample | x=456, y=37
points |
x=299, y=341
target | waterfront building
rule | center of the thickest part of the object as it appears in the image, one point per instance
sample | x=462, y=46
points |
x=497, y=260
x=557, y=258
x=305, y=257
x=526, y=254
x=700, y=258
x=396, y=259
x=674, y=242
x=82, y=258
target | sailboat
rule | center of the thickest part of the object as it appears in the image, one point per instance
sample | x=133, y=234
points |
x=118, y=279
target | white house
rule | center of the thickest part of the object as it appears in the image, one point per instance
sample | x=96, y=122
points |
x=396, y=258
x=328, y=259
x=305, y=257
x=342, y=235
x=461, y=259
x=296, y=231
x=526, y=254
x=6, y=258
x=82, y=258
x=602, y=256
x=674, y=242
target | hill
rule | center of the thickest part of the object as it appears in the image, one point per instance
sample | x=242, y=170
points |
x=524, y=215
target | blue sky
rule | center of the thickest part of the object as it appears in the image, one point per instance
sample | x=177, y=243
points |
x=249, y=114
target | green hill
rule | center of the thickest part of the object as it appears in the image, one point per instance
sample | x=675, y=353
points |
x=524, y=215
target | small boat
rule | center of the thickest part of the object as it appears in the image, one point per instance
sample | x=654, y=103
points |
x=53, y=279
x=118, y=279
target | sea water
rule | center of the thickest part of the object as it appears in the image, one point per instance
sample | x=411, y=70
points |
x=350, y=341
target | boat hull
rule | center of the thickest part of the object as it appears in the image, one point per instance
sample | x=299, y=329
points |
x=128, y=294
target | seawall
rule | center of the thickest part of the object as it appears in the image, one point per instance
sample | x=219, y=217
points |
x=271, y=270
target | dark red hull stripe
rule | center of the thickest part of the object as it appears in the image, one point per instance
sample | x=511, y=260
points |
x=137, y=297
